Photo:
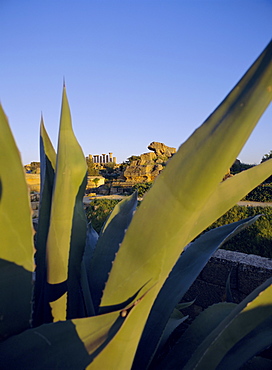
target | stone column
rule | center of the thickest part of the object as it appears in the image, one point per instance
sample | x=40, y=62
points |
x=104, y=160
x=101, y=160
x=110, y=154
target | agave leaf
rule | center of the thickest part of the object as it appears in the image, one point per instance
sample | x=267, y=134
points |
x=229, y=192
x=47, y=158
x=77, y=297
x=201, y=327
x=256, y=341
x=229, y=296
x=123, y=211
x=184, y=273
x=252, y=313
x=16, y=238
x=118, y=354
x=258, y=363
x=71, y=344
x=176, y=319
x=91, y=241
x=69, y=181
x=168, y=216
x=108, y=244
x=183, y=305
x=15, y=298
x=41, y=309
x=16, y=230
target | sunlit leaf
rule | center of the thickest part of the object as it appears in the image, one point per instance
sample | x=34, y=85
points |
x=168, y=217
x=184, y=273
x=70, y=176
x=253, y=312
x=41, y=309
x=108, y=244
x=16, y=238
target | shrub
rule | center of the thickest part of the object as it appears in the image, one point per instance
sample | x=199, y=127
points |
x=262, y=193
x=142, y=188
x=98, y=212
x=257, y=238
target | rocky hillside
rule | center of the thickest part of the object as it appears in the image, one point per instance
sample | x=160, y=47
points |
x=147, y=167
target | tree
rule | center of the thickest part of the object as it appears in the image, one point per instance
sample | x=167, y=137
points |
x=92, y=171
x=267, y=156
x=95, y=181
x=142, y=188
x=133, y=158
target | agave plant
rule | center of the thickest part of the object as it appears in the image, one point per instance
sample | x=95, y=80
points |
x=109, y=301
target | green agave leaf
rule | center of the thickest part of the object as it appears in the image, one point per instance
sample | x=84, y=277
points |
x=184, y=273
x=201, y=327
x=229, y=192
x=16, y=238
x=41, y=308
x=176, y=319
x=71, y=344
x=229, y=296
x=167, y=219
x=70, y=177
x=15, y=298
x=78, y=297
x=108, y=244
x=118, y=354
x=252, y=313
x=48, y=157
x=259, y=363
x=256, y=341
x=183, y=305
x=16, y=232
x=124, y=209
x=91, y=241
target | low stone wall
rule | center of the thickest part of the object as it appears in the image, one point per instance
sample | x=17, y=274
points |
x=33, y=181
x=247, y=272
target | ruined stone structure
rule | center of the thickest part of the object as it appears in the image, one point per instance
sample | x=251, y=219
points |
x=247, y=272
x=149, y=165
x=102, y=158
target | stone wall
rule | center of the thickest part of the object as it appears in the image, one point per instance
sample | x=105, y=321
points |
x=33, y=181
x=91, y=184
x=247, y=272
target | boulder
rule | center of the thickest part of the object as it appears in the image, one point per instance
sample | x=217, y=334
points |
x=161, y=149
x=149, y=165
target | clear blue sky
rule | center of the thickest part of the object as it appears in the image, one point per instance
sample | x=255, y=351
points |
x=136, y=71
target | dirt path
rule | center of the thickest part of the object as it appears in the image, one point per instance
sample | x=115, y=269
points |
x=87, y=200
x=248, y=203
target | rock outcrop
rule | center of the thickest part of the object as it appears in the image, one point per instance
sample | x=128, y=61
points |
x=161, y=149
x=149, y=165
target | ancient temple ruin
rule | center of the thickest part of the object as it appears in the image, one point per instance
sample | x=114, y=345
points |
x=102, y=158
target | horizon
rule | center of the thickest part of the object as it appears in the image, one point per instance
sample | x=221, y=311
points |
x=135, y=72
